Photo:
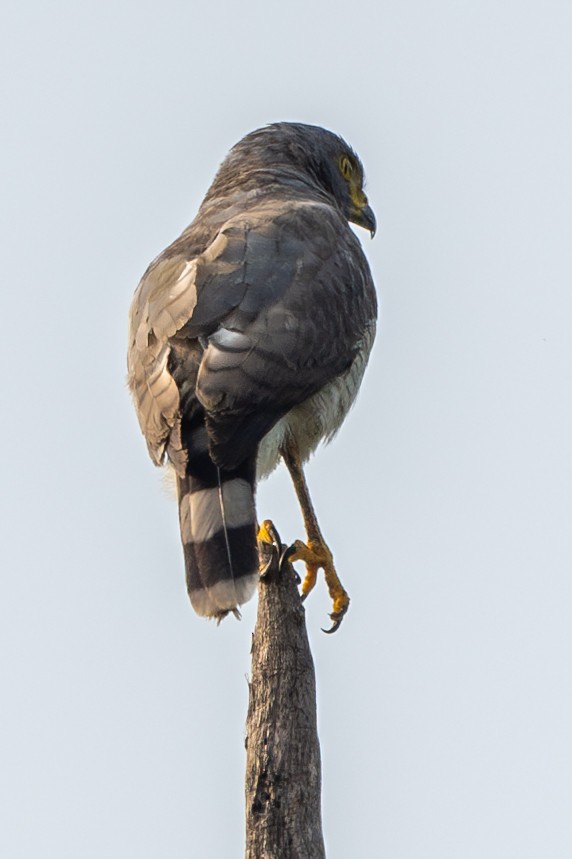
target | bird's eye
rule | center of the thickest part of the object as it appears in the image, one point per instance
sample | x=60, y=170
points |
x=346, y=167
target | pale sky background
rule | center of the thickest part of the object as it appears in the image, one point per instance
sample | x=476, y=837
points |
x=445, y=703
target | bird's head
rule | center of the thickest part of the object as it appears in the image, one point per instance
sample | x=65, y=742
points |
x=313, y=154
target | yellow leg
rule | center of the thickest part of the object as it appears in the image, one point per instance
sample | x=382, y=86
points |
x=315, y=553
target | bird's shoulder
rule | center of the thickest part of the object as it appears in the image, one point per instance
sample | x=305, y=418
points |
x=240, y=243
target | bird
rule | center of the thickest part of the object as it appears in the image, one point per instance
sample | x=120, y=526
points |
x=248, y=341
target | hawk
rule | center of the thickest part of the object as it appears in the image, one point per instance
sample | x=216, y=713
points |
x=248, y=340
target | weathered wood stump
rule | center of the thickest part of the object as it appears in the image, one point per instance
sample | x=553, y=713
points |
x=283, y=769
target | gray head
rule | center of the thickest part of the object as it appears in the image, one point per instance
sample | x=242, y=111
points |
x=317, y=156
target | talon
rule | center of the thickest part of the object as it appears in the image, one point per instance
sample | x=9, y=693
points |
x=285, y=560
x=341, y=605
x=336, y=617
x=286, y=556
x=316, y=555
x=334, y=628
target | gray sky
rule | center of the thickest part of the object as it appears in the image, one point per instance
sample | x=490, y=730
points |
x=444, y=701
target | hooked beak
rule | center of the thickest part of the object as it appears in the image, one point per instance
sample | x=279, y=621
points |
x=365, y=218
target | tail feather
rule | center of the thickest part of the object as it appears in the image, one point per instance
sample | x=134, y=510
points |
x=218, y=529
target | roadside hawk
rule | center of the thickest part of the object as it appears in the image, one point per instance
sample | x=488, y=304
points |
x=248, y=340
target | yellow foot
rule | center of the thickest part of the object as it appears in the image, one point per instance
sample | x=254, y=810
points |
x=317, y=555
x=268, y=544
x=267, y=533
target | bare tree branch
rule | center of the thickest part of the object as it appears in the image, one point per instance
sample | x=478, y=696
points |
x=283, y=770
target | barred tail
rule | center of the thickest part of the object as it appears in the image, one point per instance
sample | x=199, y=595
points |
x=218, y=529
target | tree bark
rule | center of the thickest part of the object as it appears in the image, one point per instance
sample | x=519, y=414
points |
x=283, y=769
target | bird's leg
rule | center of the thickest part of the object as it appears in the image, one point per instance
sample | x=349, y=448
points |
x=315, y=553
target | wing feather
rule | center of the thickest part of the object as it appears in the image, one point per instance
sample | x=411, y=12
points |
x=270, y=312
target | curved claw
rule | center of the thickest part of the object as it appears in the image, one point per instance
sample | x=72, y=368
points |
x=287, y=552
x=337, y=618
x=284, y=559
